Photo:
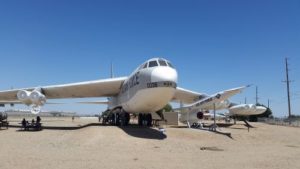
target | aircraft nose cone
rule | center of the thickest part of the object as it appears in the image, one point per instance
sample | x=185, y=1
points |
x=261, y=109
x=160, y=74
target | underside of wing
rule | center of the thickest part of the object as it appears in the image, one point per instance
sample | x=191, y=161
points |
x=186, y=96
x=97, y=88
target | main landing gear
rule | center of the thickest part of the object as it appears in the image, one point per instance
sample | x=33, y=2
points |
x=145, y=119
x=118, y=118
x=124, y=119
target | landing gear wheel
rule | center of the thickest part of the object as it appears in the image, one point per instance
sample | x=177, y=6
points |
x=144, y=117
x=122, y=119
x=117, y=119
x=127, y=118
x=149, y=119
x=140, y=119
x=112, y=119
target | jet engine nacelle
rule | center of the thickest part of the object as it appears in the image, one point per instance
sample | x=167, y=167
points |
x=37, y=98
x=200, y=115
x=24, y=97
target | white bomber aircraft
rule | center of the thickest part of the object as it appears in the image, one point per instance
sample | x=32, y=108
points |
x=148, y=89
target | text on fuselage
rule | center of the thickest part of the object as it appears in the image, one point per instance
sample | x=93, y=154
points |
x=131, y=82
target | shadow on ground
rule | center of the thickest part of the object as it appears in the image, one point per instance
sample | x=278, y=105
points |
x=207, y=125
x=132, y=130
x=143, y=132
x=62, y=127
x=179, y=127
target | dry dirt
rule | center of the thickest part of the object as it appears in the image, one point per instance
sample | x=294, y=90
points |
x=265, y=146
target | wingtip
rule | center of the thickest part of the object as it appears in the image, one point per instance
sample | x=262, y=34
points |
x=249, y=85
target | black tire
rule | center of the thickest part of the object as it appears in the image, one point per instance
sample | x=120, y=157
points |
x=112, y=119
x=123, y=119
x=127, y=119
x=140, y=120
x=149, y=119
x=117, y=119
x=144, y=121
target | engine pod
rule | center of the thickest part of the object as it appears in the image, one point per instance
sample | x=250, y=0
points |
x=37, y=98
x=24, y=97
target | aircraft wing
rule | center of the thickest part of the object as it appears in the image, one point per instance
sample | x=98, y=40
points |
x=97, y=88
x=207, y=103
x=10, y=102
x=187, y=96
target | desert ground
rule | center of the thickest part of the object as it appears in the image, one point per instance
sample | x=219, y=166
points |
x=96, y=146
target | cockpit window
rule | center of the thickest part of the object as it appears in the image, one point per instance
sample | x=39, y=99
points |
x=153, y=63
x=145, y=65
x=162, y=62
x=170, y=65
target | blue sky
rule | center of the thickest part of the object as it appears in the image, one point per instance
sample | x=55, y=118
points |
x=214, y=44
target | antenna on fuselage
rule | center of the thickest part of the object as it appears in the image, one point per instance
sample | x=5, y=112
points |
x=111, y=70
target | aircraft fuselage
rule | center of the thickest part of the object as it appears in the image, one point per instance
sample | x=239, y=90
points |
x=148, y=89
